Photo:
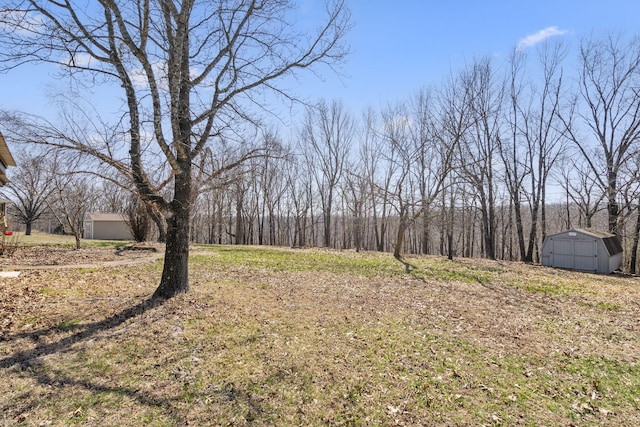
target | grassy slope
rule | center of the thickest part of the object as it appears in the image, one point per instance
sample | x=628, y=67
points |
x=38, y=238
x=310, y=337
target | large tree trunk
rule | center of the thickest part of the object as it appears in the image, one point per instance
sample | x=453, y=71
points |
x=533, y=232
x=28, y=224
x=402, y=228
x=175, y=274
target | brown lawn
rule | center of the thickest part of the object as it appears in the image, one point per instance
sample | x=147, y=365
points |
x=312, y=337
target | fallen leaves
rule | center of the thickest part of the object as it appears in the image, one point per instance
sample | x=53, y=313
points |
x=264, y=345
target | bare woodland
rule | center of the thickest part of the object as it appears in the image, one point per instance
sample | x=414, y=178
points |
x=484, y=164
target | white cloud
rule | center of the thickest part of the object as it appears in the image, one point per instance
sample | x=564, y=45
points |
x=139, y=77
x=534, y=39
x=80, y=60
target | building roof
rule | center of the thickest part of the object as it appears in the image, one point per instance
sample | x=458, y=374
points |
x=594, y=232
x=611, y=241
x=98, y=216
x=6, y=159
x=5, y=154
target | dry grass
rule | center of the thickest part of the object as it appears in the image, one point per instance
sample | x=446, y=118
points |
x=312, y=337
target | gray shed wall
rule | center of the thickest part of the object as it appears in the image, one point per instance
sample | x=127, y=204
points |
x=111, y=230
x=576, y=250
x=107, y=230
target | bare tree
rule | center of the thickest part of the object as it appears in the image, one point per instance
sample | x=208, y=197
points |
x=432, y=157
x=536, y=141
x=298, y=184
x=270, y=187
x=455, y=119
x=513, y=153
x=30, y=187
x=185, y=68
x=327, y=134
x=419, y=158
x=372, y=155
x=609, y=109
x=582, y=189
x=73, y=196
x=478, y=150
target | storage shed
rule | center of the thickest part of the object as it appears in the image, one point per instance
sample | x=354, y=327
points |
x=107, y=226
x=584, y=250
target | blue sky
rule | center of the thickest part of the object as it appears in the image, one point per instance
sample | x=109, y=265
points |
x=400, y=46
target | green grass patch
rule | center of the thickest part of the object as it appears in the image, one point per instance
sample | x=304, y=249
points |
x=68, y=325
x=304, y=260
x=367, y=264
x=601, y=305
x=89, y=270
x=441, y=269
x=46, y=239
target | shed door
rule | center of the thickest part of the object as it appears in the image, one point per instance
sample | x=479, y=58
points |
x=562, y=253
x=585, y=254
x=575, y=254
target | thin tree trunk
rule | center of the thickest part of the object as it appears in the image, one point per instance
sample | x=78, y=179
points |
x=636, y=239
x=239, y=240
x=612, y=205
x=519, y=227
x=425, y=233
x=397, y=250
x=157, y=218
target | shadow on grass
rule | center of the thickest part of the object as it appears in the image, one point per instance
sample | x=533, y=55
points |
x=20, y=407
x=31, y=361
x=26, y=357
x=408, y=267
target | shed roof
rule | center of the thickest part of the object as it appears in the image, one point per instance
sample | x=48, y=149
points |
x=99, y=216
x=594, y=232
x=611, y=241
x=613, y=244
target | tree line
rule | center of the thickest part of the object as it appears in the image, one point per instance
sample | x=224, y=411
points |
x=461, y=169
x=485, y=163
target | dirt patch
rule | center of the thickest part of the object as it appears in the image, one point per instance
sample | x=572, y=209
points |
x=56, y=257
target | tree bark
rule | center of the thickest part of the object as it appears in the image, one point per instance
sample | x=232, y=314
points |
x=175, y=274
x=157, y=218
x=402, y=226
